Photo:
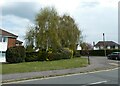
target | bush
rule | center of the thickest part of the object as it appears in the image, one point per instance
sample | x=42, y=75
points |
x=68, y=52
x=77, y=53
x=36, y=56
x=15, y=54
x=42, y=55
x=31, y=56
x=54, y=56
x=60, y=54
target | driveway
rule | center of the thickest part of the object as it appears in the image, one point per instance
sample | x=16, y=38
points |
x=96, y=63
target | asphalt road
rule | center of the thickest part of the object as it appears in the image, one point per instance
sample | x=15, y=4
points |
x=85, y=79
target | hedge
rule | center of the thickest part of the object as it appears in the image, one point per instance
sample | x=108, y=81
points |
x=15, y=54
x=42, y=55
x=31, y=56
x=77, y=53
x=96, y=52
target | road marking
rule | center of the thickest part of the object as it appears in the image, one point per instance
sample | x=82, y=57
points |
x=14, y=82
x=113, y=64
x=98, y=82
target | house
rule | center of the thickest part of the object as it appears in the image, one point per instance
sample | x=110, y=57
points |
x=7, y=40
x=107, y=44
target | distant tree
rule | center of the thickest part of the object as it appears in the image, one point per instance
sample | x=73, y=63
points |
x=29, y=39
x=86, y=46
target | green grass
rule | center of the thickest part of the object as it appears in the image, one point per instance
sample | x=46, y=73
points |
x=0, y=68
x=43, y=66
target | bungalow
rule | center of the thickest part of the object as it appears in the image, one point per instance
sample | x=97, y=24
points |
x=7, y=40
x=107, y=44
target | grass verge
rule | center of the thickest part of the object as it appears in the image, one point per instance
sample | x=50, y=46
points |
x=43, y=66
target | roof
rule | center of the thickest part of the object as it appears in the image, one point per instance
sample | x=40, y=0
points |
x=107, y=43
x=18, y=42
x=6, y=33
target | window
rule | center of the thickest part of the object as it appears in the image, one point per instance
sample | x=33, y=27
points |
x=0, y=54
x=0, y=38
x=4, y=39
x=3, y=54
x=112, y=47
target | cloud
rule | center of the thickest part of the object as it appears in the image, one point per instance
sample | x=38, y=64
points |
x=96, y=21
x=90, y=4
x=21, y=9
x=109, y=3
x=67, y=6
x=93, y=16
x=16, y=25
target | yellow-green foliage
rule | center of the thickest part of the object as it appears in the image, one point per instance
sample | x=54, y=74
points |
x=70, y=50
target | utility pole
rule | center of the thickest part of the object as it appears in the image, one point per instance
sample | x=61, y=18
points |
x=104, y=44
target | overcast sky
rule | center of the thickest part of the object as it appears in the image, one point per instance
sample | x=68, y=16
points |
x=94, y=17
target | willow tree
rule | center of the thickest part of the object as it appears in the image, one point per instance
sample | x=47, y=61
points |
x=69, y=32
x=47, y=26
x=54, y=31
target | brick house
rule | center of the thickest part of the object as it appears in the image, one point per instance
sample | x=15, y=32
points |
x=7, y=40
x=107, y=44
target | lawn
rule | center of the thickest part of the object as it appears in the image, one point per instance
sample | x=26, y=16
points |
x=43, y=66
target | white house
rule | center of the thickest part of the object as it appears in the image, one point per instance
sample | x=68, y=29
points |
x=107, y=44
x=78, y=47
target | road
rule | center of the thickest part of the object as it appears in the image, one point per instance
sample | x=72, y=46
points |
x=85, y=79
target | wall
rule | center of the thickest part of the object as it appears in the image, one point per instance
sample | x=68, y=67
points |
x=3, y=46
x=11, y=42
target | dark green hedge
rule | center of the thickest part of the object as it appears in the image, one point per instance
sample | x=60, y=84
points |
x=36, y=56
x=31, y=56
x=59, y=55
x=77, y=53
x=15, y=54
x=96, y=52
x=42, y=55
x=54, y=56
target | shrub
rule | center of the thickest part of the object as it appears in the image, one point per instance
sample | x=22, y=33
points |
x=42, y=55
x=77, y=53
x=60, y=54
x=31, y=56
x=54, y=56
x=15, y=54
x=66, y=53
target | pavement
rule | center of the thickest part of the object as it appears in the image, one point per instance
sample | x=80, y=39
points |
x=96, y=63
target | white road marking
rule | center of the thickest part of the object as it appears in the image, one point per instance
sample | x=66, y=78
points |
x=113, y=64
x=98, y=82
x=14, y=82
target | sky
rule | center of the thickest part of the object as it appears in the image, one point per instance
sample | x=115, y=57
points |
x=94, y=17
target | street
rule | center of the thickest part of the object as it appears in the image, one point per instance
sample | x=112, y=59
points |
x=85, y=79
